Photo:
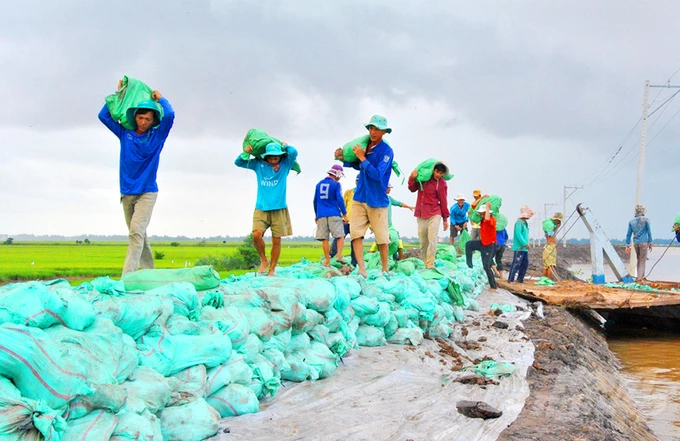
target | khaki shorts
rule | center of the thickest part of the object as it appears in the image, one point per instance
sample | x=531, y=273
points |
x=331, y=225
x=363, y=216
x=277, y=220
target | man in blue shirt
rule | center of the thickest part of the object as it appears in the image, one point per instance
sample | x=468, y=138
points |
x=140, y=151
x=370, y=203
x=330, y=213
x=271, y=209
x=641, y=231
x=459, y=216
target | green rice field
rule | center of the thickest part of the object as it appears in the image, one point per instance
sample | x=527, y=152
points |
x=23, y=261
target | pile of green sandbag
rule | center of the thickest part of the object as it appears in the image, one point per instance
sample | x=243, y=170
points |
x=131, y=93
x=165, y=361
x=258, y=140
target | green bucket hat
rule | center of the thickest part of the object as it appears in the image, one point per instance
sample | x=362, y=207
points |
x=379, y=122
x=146, y=104
x=273, y=149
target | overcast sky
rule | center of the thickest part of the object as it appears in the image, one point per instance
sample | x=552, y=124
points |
x=519, y=98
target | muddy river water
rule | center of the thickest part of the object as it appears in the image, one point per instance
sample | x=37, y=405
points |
x=651, y=359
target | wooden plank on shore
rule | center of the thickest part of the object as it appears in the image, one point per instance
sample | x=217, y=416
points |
x=581, y=295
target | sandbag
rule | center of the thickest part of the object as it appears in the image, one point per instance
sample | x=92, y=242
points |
x=407, y=336
x=426, y=169
x=258, y=140
x=131, y=426
x=132, y=92
x=234, y=400
x=231, y=321
x=183, y=295
x=95, y=426
x=194, y=421
x=34, y=304
x=25, y=419
x=501, y=221
x=135, y=313
x=496, y=203
x=235, y=370
x=370, y=336
x=146, y=390
x=202, y=277
x=548, y=226
x=349, y=156
x=462, y=241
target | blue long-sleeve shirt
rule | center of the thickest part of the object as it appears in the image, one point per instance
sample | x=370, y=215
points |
x=328, y=200
x=374, y=176
x=501, y=237
x=640, y=230
x=271, y=181
x=458, y=214
x=140, y=154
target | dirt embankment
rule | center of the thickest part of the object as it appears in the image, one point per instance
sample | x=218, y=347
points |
x=576, y=389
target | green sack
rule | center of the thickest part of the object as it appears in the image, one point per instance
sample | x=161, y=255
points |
x=349, y=156
x=394, y=242
x=130, y=94
x=462, y=241
x=491, y=368
x=258, y=140
x=202, y=277
x=426, y=168
x=234, y=400
x=501, y=222
x=496, y=203
x=548, y=225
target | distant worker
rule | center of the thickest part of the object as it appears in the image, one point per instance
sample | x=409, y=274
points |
x=520, y=246
x=486, y=244
x=370, y=203
x=474, y=231
x=640, y=230
x=676, y=227
x=271, y=209
x=550, y=249
x=348, y=196
x=330, y=213
x=459, y=217
x=140, y=151
x=432, y=210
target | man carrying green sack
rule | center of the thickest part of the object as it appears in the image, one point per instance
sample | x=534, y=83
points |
x=140, y=150
x=431, y=209
x=271, y=209
x=258, y=140
x=550, y=249
x=370, y=203
x=676, y=227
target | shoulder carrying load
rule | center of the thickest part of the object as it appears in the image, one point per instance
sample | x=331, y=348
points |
x=496, y=203
x=548, y=226
x=258, y=140
x=501, y=221
x=349, y=156
x=130, y=95
x=202, y=277
x=426, y=168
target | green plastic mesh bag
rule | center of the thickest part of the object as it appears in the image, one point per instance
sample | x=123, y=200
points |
x=130, y=94
x=258, y=140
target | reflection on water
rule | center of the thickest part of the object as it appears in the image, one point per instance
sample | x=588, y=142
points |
x=651, y=359
x=651, y=365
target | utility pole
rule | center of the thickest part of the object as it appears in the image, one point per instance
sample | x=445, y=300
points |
x=545, y=208
x=564, y=205
x=641, y=159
